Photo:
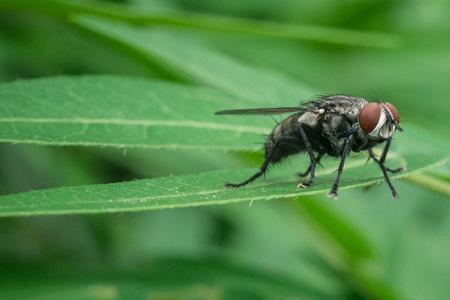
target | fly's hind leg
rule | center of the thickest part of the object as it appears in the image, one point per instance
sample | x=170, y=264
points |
x=262, y=171
x=258, y=174
x=314, y=161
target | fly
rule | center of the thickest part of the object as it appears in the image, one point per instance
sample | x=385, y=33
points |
x=332, y=125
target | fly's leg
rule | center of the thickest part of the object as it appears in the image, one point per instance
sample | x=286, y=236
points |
x=390, y=170
x=308, y=170
x=304, y=174
x=345, y=151
x=311, y=170
x=385, y=169
x=383, y=158
x=262, y=171
x=314, y=161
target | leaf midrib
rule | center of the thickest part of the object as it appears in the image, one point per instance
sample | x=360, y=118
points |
x=140, y=122
x=326, y=171
x=215, y=202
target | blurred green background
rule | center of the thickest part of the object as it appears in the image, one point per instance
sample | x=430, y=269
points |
x=269, y=250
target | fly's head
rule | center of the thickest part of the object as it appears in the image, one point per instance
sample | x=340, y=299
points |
x=379, y=120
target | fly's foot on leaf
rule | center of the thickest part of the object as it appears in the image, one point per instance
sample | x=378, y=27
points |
x=332, y=195
x=301, y=185
x=305, y=184
x=232, y=185
x=394, y=195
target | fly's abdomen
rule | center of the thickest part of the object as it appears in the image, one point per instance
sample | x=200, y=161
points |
x=284, y=140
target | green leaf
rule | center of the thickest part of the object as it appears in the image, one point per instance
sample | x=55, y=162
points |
x=346, y=248
x=128, y=112
x=195, y=190
x=198, y=63
x=123, y=112
x=353, y=244
x=211, y=23
x=181, y=278
x=432, y=182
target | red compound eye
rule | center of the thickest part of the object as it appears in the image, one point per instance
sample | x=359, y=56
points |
x=369, y=116
x=393, y=111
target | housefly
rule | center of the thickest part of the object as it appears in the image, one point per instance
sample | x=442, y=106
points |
x=332, y=125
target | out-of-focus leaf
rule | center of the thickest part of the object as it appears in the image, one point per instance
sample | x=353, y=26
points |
x=183, y=56
x=210, y=23
x=26, y=167
x=432, y=182
x=346, y=248
x=409, y=237
x=206, y=278
x=348, y=240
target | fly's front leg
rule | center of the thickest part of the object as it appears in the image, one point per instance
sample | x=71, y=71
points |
x=344, y=154
x=314, y=160
x=385, y=169
x=382, y=159
x=390, y=170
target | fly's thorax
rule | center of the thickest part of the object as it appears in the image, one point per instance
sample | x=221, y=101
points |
x=310, y=118
x=378, y=120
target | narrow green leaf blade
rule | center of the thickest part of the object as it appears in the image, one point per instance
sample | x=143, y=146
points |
x=211, y=23
x=123, y=112
x=194, y=190
x=171, y=278
x=186, y=57
x=353, y=243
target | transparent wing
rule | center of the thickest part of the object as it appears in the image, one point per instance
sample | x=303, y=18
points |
x=258, y=111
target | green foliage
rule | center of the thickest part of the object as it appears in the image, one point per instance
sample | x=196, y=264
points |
x=189, y=190
x=121, y=112
x=150, y=76
x=199, y=64
x=221, y=24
